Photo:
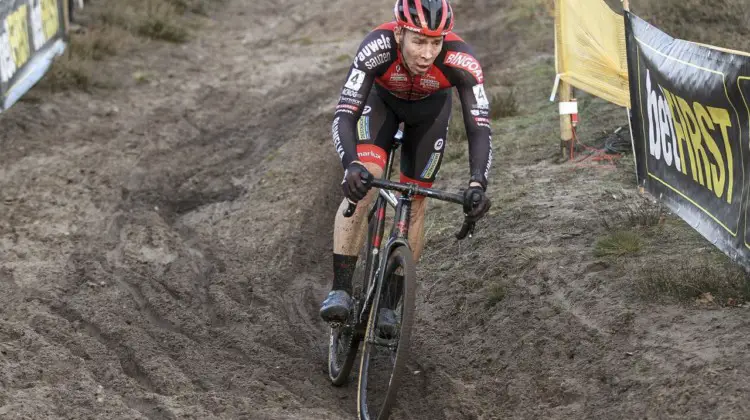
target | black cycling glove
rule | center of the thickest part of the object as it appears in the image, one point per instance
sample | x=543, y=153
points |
x=356, y=182
x=476, y=203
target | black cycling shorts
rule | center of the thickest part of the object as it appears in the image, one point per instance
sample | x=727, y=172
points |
x=425, y=131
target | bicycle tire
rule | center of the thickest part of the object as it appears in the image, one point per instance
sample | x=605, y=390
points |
x=339, y=371
x=402, y=257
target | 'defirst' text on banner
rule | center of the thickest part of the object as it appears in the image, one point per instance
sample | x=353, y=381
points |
x=691, y=131
x=32, y=33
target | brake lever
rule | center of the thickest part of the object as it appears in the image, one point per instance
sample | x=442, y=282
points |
x=353, y=206
x=466, y=229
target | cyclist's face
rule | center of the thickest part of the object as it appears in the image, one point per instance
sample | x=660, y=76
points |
x=420, y=51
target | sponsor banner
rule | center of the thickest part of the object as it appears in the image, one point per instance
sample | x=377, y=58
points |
x=32, y=33
x=691, y=130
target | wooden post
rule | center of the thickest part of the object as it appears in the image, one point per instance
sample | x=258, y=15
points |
x=66, y=16
x=566, y=127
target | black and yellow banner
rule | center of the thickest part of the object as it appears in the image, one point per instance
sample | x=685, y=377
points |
x=32, y=33
x=691, y=130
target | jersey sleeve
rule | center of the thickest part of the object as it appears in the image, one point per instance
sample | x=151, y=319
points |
x=476, y=110
x=465, y=73
x=374, y=56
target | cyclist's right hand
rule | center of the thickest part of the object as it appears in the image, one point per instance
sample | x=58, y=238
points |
x=357, y=181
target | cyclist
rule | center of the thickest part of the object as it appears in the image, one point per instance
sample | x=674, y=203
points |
x=402, y=73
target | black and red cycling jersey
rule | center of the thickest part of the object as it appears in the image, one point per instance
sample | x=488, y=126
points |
x=378, y=61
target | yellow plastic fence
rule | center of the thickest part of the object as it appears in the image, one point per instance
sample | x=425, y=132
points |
x=590, y=51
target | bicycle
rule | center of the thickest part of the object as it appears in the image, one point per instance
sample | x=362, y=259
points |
x=378, y=290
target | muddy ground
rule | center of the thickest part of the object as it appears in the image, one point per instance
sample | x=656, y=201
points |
x=164, y=246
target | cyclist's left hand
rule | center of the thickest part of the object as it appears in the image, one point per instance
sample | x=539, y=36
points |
x=476, y=203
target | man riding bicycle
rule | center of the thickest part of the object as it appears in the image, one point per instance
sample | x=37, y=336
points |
x=402, y=73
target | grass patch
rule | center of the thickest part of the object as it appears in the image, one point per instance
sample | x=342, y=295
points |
x=198, y=7
x=723, y=24
x=98, y=43
x=645, y=215
x=69, y=73
x=113, y=27
x=495, y=294
x=160, y=21
x=618, y=244
x=529, y=256
x=640, y=215
x=706, y=280
x=304, y=41
x=504, y=104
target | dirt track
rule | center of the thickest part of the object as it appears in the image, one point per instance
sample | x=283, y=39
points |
x=164, y=249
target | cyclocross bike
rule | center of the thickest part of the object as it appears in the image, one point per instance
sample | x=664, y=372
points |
x=379, y=286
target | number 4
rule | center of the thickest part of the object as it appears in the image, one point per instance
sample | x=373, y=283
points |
x=355, y=80
x=480, y=96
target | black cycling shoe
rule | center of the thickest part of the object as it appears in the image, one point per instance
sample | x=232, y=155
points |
x=387, y=323
x=336, y=307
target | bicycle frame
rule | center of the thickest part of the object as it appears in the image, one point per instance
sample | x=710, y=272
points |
x=399, y=234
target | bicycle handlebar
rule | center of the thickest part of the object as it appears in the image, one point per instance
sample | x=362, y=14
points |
x=467, y=228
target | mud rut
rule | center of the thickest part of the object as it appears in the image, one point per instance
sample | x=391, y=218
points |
x=162, y=251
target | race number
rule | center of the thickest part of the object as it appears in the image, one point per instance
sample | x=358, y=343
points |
x=481, y=96
x=355, y=80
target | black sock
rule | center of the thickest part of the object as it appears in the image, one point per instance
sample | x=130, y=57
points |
x=343, y=270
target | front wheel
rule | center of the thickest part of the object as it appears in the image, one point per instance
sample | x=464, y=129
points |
x=343, y=341
x=385, y=351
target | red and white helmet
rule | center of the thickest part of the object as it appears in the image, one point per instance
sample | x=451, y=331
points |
x=427, y=17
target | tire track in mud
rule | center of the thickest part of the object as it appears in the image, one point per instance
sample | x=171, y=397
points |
x=176, y=328
x=213, y=242
x=190, y=289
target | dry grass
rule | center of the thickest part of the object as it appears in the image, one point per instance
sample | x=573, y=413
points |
x=723, y=23
x=154, y=19
x=69, y=73
x=495, y=294
x=99, y=43
x=504, y=104
x=199, y=7
x=114, y=27
x=704, y=279
x=529, y=256
x=77, y=67
x=642, y=214
x=618, y=244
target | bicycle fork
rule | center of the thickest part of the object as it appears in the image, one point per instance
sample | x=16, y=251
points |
x=399, y=237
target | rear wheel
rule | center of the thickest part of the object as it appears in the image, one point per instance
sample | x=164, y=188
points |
x=384, y=356
x=344, y=339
